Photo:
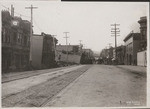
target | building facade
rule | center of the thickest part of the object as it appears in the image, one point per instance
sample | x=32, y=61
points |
x=132, y=42
x=142, y=52
x=143, y=33
x=48, y=53
x=43, y=51
x=15, y=43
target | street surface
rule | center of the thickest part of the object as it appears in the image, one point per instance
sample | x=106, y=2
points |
x=77, y=86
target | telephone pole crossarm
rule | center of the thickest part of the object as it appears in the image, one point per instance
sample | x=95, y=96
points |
x=115, y=32
x=66, y=37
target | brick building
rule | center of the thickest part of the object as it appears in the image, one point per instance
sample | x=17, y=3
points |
x=15, y=42
x=132, y=42
x=142, y=52
x=143, y=33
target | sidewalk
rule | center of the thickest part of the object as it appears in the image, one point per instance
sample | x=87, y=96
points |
x=18, y=75
x=136, y=69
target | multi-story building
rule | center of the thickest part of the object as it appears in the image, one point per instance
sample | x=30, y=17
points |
x=143, y=33
x=142, y=52
x=15, y=42
x=132, y=41
x=43, y=51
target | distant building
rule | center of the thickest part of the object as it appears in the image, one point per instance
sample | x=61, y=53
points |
x=89, y=52
x=107, y=55
x=72, y=49
x=132, y=41
x=43, y=51
x=87, y=56
x=121, y=54
x=15, y=42
x=73, y=55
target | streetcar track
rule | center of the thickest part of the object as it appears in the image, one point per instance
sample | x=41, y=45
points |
x=57, y=73
x=32, y=74
x=50, y=98
x=60, y=79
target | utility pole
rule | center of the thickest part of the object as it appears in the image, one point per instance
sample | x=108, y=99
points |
x=66, y=45
x=31, y=25
x=115, y=32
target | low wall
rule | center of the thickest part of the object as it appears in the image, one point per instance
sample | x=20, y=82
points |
x=142, y=58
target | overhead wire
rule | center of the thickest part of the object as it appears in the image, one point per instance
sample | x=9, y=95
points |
x=24, y=16
x=37, y=25
x=15, y=12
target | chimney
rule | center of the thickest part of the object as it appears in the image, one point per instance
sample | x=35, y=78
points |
x=12, y=11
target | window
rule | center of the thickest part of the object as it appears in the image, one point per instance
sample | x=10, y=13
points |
x=127, y=48
x=7, y=36
x=25, y=40
x=18, y=37
x=14, y=36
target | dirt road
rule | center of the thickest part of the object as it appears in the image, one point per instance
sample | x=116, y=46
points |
x=77, y=86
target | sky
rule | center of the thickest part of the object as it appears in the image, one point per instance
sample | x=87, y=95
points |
x=86, y=21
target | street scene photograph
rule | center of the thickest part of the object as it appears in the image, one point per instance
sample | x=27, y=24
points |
x=74, y=54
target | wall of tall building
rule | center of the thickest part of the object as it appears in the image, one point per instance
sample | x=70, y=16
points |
x=37, y=48
x=48, y=53
x=132, y=45
x=143, y=33
x=142, y=51
x=43, y=51
x=15, y=43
